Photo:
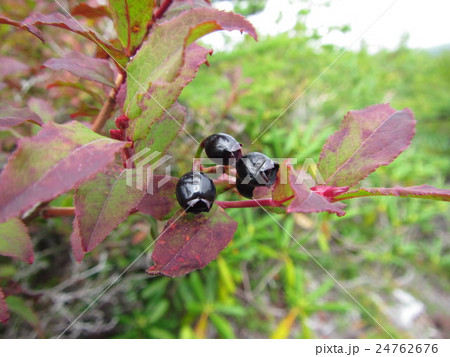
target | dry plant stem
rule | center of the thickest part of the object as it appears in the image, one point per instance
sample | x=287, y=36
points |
x=108, y=106
x=49, y=212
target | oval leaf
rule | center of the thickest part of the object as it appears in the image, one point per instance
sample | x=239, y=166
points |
x=104, y=202
x=15, y=241
x=366, y=139
x=161, y=203
x=10, y=66
x=162, y=132
x=94, y=69
x=164, y=95
x=130, y=20
x=59, y=20
x=10, y=116
x=55, y=161
x=190, y=242
x=161, y=57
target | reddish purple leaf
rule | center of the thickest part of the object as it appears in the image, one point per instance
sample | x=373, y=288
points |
x=190, y=242
x=10, y=66
x=424, y=191
x=4, y=314
x=75, y=241
x=102, y=203
x=307, y=201
x=161, y=203
x=367, y=139
x=330, y=191
x=15, y=241
x=10, y=116
x=94, y=69
x=68, y=23
x=89, y=11
x=58, y=159
x=28, y=27
x=179, y=6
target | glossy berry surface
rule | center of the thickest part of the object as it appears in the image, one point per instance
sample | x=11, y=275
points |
x=222, y=147
x=244, y=189
x=256, y=169
x=195, y=192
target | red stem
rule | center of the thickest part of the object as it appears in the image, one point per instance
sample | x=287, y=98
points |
x=162, y=9
x=49, y=212
x=252, y=203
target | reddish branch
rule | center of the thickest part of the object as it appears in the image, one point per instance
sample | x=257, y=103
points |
x=252, y=203
x=162, y=9
x=49, y=212
x=108, y=106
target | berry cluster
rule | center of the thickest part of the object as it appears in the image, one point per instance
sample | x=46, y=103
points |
x=196, y=192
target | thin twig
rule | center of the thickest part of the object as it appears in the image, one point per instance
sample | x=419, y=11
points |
x=108, y=106
x=49, y=212
x=162, y=9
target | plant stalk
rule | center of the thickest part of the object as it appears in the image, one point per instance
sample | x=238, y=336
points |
x=108, y=106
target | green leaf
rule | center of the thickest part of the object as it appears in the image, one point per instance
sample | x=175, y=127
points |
x=19, y=306
x=130, y=20
x=102, y=203
x=162, y=131
x=164, y=94
x=15, y=241
x=161, y=57
x=223, y=327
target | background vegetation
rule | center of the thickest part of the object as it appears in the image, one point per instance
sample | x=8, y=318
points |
x=392, y=255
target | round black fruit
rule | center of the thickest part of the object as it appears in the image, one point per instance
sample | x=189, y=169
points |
x=256, y=169
x=244, y=189
x=195, y=192
x=221, y=147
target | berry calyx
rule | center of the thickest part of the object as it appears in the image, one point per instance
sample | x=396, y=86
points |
x=256, y=169
x=244, y=189
x=195, y=192
x=221, y=148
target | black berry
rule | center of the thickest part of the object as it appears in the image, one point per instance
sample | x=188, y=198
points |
x=221, y=147
x=244, y=189
x=256, y=169
x=195, y=192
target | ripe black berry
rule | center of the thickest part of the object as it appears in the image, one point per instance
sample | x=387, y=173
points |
x=244, y=189
x=221, y=147
x=195, y=192
x=256, y=169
